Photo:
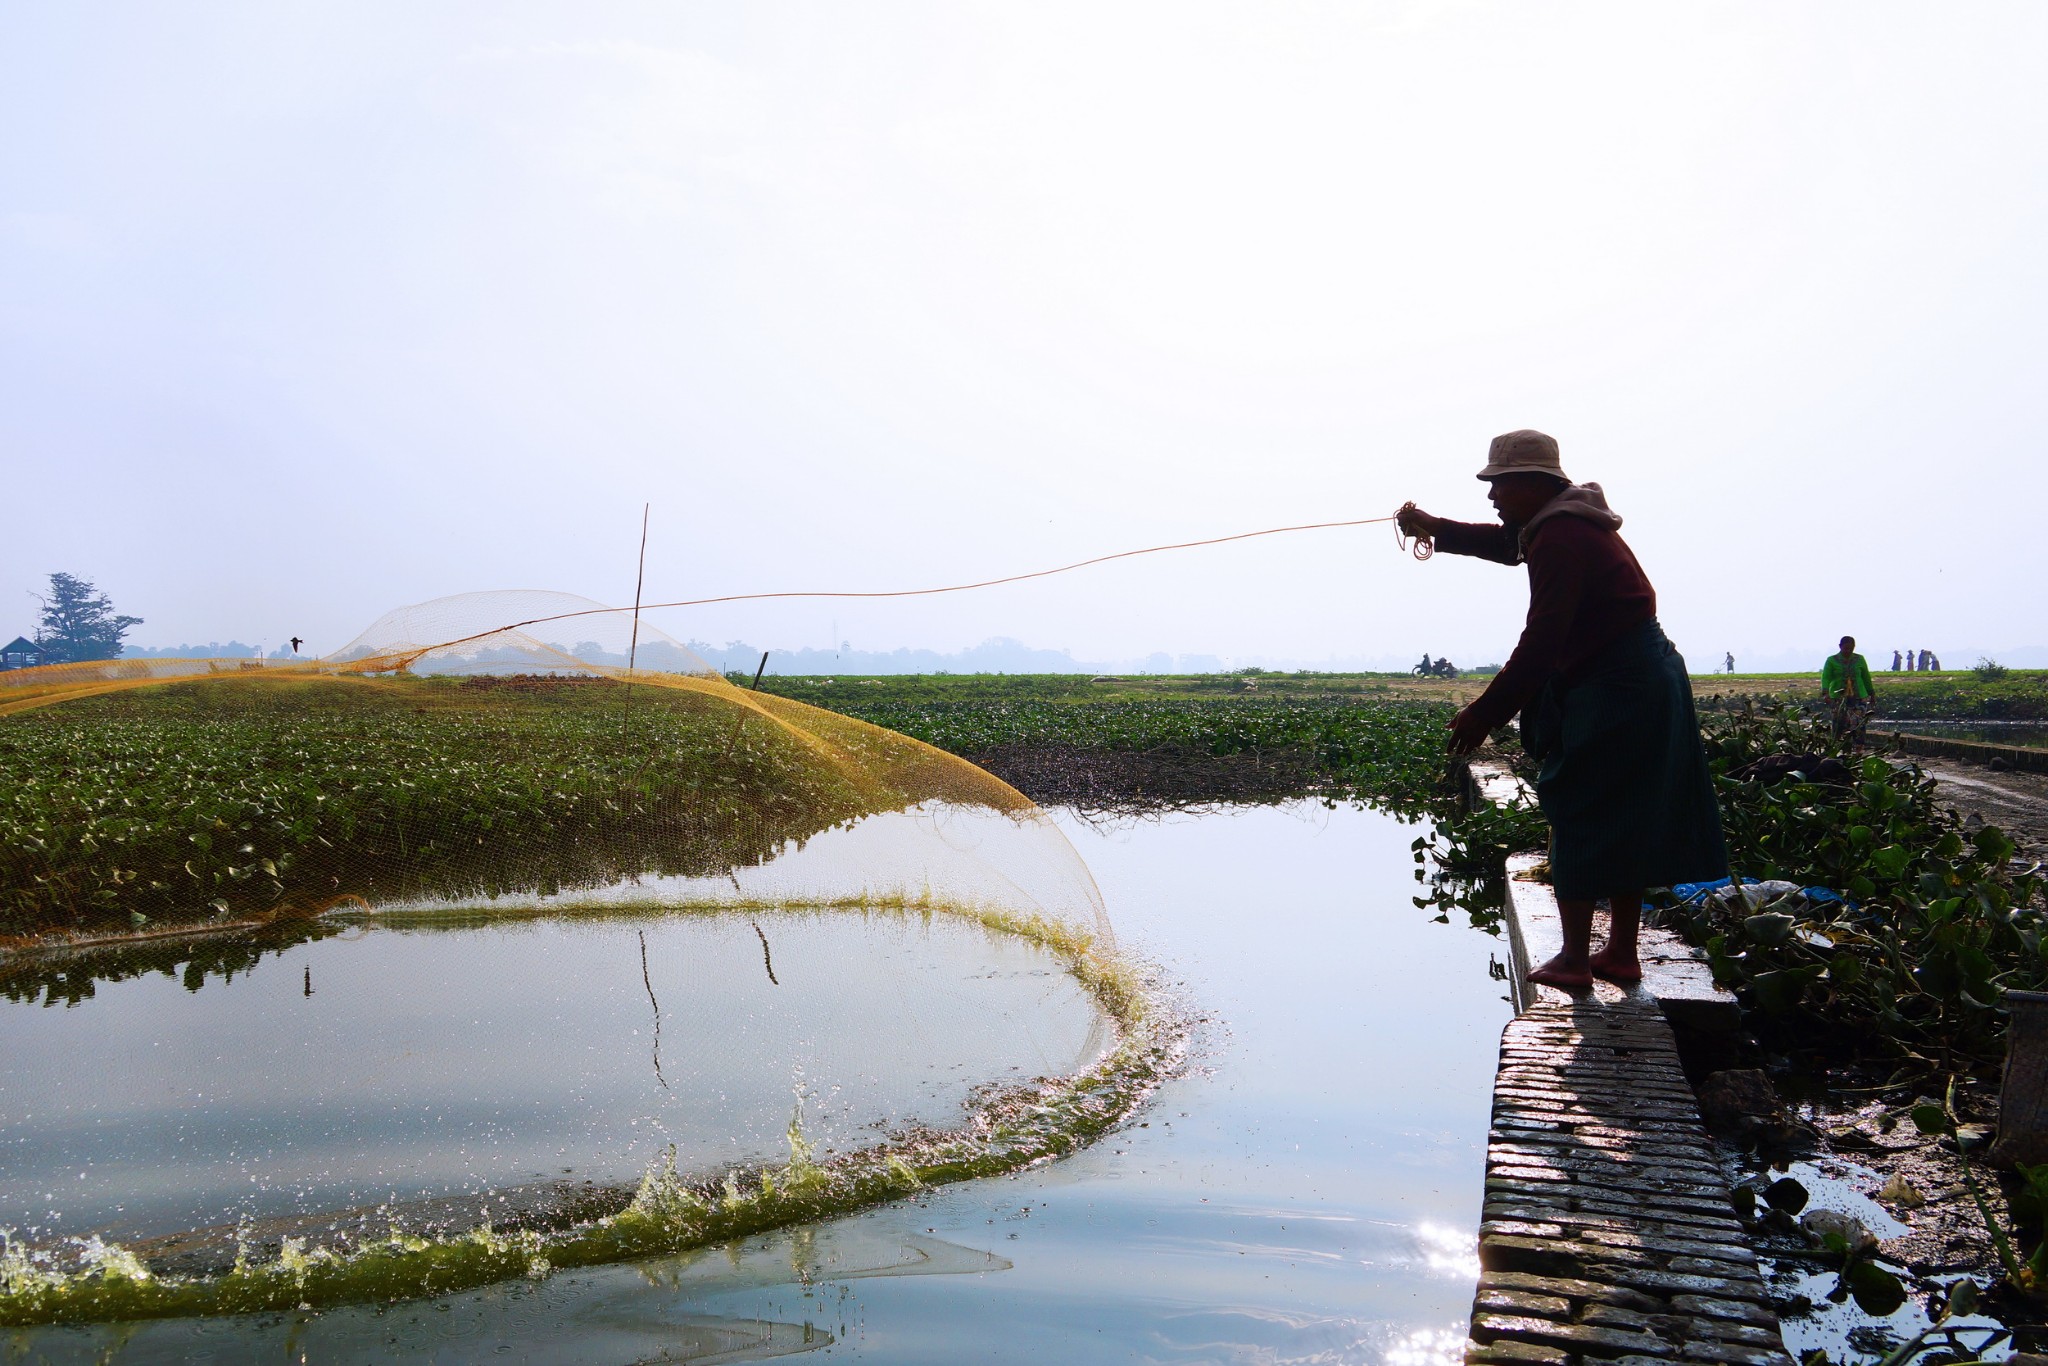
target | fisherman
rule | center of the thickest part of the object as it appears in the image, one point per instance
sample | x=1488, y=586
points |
x=1605, y=702
x=1845, y=684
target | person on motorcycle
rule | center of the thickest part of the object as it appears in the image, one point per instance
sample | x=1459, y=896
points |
x=1605, y=703
x=1845, y=686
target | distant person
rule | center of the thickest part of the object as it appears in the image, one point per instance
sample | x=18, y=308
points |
x=1605, y=703
x=1926, y=659
x=1731, y=661
x=1909, y=661
x=1845, y=684
x=1895, y=661
x=1934, y=661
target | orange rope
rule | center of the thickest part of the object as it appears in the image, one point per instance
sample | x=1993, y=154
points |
x=1422, y=551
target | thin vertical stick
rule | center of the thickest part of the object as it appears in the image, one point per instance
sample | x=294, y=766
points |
x=639, y=582
x=740, y=721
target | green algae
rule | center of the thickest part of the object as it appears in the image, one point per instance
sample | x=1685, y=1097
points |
x=1006, y=1128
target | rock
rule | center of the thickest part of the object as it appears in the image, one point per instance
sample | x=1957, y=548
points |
x=2000, y=764
x=1819, y=1223
x=1737, y=1100
x=1900, y=1192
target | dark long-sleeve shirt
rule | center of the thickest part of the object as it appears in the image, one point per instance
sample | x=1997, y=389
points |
x=1585, y=591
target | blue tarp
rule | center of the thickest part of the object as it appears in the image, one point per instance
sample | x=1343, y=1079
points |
x=1698, y=891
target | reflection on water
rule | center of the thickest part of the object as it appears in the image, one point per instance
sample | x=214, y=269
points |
x=612, y=1314
x=1428, y=1347
x=1449, y=1249
x=1846, y=1187
x=392, y=1066
x=69, y=977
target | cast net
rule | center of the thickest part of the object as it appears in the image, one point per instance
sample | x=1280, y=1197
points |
x=477, y=950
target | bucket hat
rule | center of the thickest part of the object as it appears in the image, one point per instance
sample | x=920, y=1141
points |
x=1523, y=452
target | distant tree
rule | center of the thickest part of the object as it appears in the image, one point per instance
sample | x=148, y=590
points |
x=79, y=622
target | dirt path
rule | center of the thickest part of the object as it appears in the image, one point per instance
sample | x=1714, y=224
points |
x=2016, y=803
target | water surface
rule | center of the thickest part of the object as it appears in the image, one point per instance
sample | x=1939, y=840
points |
x=1309, y=1193
x=2030, y=733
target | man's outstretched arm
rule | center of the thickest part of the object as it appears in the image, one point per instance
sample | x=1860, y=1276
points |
x=1483, y=540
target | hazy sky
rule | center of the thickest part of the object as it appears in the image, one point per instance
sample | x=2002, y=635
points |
x=309, y=310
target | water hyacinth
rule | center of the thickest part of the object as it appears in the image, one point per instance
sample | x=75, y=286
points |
x=227, y=801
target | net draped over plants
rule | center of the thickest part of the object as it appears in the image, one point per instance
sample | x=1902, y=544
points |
x=500, y=764
x=445, y=771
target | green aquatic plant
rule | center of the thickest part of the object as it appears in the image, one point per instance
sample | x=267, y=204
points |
x=224, y=801
x=2028, y=1276
x=1943, y=919
x=1378, y=749
x=1461, y=860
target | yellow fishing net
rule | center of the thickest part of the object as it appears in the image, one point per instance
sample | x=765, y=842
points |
x=475, y=950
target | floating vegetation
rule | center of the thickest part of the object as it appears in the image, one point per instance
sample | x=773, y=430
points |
x=1056, y=743
x=234, y=799
x=1940, y=920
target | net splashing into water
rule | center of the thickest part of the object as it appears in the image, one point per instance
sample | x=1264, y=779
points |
x=523, y=821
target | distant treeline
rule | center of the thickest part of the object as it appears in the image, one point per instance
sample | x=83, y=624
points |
x=213, y=649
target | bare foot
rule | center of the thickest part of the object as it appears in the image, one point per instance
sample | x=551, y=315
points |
x=1567, y=974
x=1616, y=967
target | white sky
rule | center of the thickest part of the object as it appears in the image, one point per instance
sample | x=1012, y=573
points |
x=310, y=310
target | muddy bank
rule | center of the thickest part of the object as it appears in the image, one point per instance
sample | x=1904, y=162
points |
x=1166, y=777
x=2016, y=803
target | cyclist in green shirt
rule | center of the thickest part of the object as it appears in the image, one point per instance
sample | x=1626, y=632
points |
x=1845, y=684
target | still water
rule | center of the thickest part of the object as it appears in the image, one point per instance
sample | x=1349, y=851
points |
x=395, y=1066
x=1307, y=1192
x=2033, y=734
